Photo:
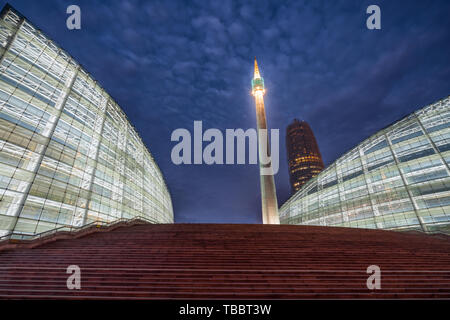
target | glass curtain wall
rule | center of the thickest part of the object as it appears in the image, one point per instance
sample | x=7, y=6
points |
x=396, y=179
x=68, y=154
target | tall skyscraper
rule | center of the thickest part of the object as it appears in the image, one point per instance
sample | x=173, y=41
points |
x=303, y=154
x=268, y=192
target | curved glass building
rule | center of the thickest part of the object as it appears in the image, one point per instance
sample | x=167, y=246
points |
x=68, y=154
x=396, y=179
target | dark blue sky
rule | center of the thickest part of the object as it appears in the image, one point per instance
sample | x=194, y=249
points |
x=168, y=63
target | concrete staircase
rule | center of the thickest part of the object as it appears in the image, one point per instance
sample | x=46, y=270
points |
x=218, y=261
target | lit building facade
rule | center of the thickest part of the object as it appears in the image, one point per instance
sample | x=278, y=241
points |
x=68, y=154
x=396, y=179
x=303, y=154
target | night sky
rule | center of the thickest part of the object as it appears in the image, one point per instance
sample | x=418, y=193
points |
x=168, y=63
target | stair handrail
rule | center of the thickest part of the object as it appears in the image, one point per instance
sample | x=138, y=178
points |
x=71, y=229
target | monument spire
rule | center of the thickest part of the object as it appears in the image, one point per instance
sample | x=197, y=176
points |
x=256, y=74
x=268, y=191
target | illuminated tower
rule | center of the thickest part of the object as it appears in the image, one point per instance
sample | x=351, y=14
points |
x=305, y=160
x=268, y=192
